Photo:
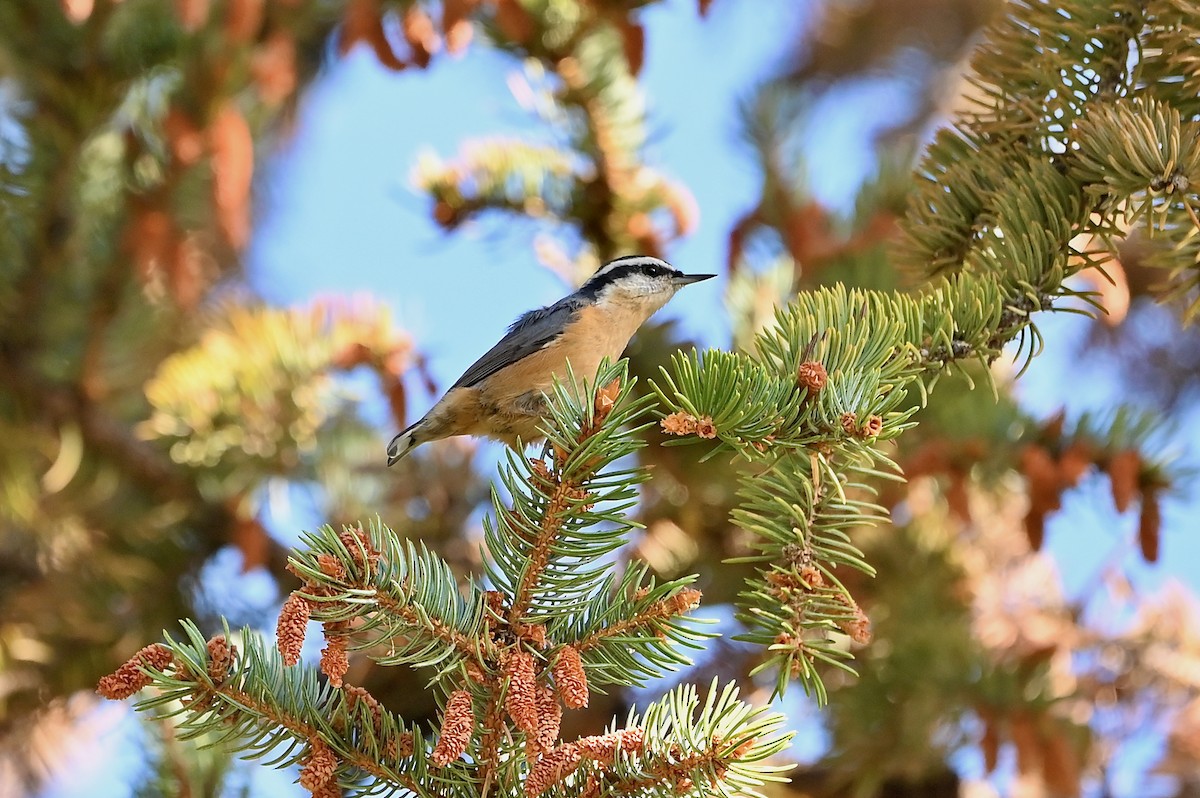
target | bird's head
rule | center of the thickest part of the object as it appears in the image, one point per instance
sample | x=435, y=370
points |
x=638, y=281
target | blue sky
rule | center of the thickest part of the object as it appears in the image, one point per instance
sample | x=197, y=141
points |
x=336, y=213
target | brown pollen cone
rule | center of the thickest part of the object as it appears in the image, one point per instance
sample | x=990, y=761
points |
x=571, y=678
x=128, y=678
x=811, y=376
x=457, y=726
x=292, y=626
x=520, y=701
x=319, y=766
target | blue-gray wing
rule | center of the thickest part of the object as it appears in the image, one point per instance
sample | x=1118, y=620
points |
x=527, y=335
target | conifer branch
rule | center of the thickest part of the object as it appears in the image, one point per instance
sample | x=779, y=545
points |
x=1068, y=116
x=596, y=182
x=544, y=551
x=717, y=745
x=498, y=175
x=509, y=660
x=631, y=629
x=653, y=617
x=251, y=698
x=1070, y=141
x=561, y=492
x=398, y=602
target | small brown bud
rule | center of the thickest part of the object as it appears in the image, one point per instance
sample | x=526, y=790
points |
x=399, y=747
x=705, y=427
x=493, y=600
x=679, y=424
x=811, y=376
x=534, y=633
x=541, y=470
x=591, y=789
x=873, y=427
x=359, y=696
x=331, y=566
x=783, y=580
x=458, y=724
x=685, y=600
x=476, y=673
x=362, y=550
x=606, y=399
x=292, y=627
x=812, y=577
x=570, y=678
x=742, y=749
x=220, y=658
x=849, y=423
x=859, y=628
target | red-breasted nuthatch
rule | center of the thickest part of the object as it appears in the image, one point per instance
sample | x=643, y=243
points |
x=502, y=395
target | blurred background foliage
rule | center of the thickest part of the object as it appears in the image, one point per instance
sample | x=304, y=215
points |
x=154, y=405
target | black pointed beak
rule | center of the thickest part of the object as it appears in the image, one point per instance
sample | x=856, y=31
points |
x=688, y=279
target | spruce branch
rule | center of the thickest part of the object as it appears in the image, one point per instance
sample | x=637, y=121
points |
x=827, y=384
x=509, y=661
x=399, y=602
x=246, y=696
x=1131, y=447
x=631, y=629
x=231, y=416
x=1072, y=130
x=516, y=176
x=679, y=745
x=587, y=56
x=1072, y=141
x=1165, y=61
x=545, y=550
x=797, y=607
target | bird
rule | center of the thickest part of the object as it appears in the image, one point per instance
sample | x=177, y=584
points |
x=503, y=394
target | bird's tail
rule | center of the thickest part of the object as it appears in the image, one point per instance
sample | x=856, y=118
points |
x=402, y=444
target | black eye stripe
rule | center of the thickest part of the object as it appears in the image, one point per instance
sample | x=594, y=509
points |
x=623, y=267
